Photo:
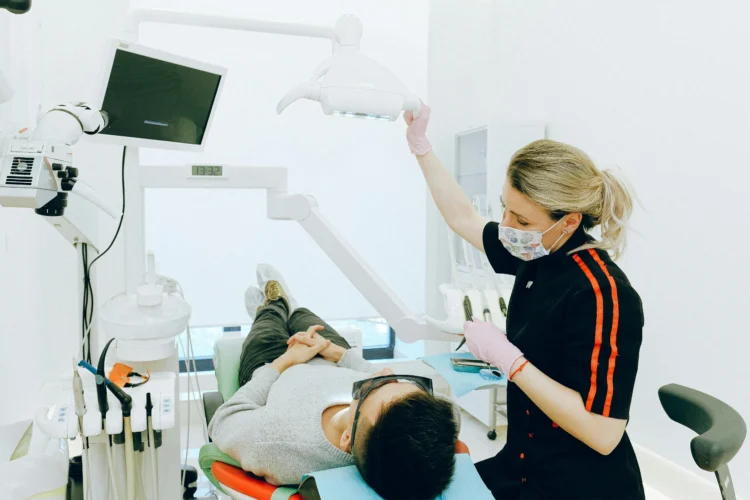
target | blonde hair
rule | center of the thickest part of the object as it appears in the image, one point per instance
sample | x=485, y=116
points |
x=562, y=179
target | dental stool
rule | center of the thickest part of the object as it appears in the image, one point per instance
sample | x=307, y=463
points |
x=223, y=471
x=721, y=430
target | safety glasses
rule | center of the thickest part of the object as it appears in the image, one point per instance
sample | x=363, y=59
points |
x=361, y=389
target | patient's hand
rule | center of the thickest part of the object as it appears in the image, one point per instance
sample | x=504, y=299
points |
x=311, y=338
x=299, y=352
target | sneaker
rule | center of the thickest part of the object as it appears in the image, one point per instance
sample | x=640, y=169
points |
x=275, y=292
x=254, y=300
x=267, y=274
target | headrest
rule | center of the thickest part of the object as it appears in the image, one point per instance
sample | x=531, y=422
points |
x=346, y=483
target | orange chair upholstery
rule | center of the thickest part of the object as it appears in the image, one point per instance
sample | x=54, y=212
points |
x=244, y=483
x=461, y=448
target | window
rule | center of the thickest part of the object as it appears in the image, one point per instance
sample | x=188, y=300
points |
x=378, y=340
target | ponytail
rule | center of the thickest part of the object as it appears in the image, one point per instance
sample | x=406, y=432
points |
x=617, y=207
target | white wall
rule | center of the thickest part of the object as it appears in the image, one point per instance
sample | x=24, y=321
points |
x=50, y=62
x=659, y=88
x=360, y=172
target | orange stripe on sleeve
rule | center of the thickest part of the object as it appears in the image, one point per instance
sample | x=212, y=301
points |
x=612, y=336
x=599, y=328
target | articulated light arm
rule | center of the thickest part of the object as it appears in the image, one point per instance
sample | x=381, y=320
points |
x=408, y=326
x=140, y=16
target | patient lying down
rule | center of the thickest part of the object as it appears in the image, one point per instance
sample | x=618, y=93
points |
x=295, y=414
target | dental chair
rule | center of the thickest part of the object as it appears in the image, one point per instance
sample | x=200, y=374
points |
x=224, y=472
x=721, y=430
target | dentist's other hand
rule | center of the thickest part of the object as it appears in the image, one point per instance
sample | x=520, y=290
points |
x=416, y=134
x=489, y=343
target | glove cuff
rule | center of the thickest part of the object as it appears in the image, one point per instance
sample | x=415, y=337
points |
x=420, y=147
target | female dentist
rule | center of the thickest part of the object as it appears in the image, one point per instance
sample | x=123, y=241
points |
x=574, y=321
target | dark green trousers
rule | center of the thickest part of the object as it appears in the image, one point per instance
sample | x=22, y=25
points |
x=270, y=332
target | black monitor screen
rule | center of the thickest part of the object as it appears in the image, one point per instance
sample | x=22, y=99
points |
x=148, y=98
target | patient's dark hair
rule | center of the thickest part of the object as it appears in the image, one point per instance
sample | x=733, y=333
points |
x=410, y=451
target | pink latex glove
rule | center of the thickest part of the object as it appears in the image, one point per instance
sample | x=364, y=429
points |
x=416, y=134
x=489, y=343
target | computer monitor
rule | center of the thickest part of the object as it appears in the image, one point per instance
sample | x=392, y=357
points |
x=158, y=100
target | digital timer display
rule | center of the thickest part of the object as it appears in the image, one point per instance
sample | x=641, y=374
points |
x=208, y=170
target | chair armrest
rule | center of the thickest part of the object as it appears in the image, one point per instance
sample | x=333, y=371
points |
x=721, y=429
x=227, y=357
x=211, y=402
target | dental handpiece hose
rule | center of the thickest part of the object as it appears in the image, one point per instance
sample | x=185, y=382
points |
x=111, y=466
x=152, y=446
x=101, y=398
x=129, y=457
x=80, y=405
x=91, y=369
x=127, y=403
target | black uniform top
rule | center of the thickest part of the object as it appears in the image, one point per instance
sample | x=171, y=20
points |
x=576, y=318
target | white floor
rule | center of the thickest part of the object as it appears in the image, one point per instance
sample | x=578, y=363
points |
x=473, y=433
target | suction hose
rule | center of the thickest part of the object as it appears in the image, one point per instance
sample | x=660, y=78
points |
x=126, y=402
x=129, y=457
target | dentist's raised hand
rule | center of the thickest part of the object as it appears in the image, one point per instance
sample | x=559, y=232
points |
x=416, y=133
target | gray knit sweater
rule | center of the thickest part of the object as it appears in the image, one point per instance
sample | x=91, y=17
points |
x=272, y=426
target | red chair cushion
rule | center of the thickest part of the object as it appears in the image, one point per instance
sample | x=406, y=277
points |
x=253, y=486
x=244, y=482
x=461, y=448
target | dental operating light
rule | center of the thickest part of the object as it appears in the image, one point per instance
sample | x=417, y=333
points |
x=351, y=84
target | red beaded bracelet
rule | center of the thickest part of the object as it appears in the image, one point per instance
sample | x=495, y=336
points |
x=523, y=365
